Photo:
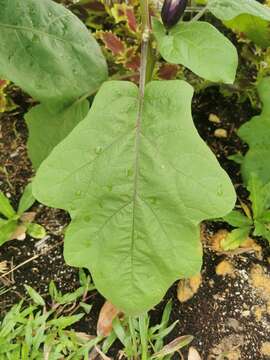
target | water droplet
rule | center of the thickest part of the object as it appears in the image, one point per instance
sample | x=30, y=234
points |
x=88, y=243
x=153, y=200
x=35, y=38
x=128, y=172
x=220, y=190
x=162, y=166
x=87, y=218
x=98, y=150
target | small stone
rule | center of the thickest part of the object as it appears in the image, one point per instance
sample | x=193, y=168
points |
x=265, y=349
x=217, y=238
x=221, y=133
x=214, y=118
x=193, y=354
x=233, y=323
x=258, y=312
x=224, y=268
x=188, y=287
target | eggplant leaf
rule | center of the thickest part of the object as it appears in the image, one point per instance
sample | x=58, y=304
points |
x=48, y=128
x=200, y=47
x=254, y=28
x=48, y=52
x=137, y=180
x=229, y=9
x=256, y=133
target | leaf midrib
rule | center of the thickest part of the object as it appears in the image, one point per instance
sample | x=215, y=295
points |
x=136, y=170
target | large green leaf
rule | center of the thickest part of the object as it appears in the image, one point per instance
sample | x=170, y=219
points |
x=48, y=128
x=137, y=181
x=254, y=28
x=256, y=133
x=230, y=9
x=200, y=47
x=48, y=52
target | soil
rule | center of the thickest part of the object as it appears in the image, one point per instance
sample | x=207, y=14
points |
x=229, y=316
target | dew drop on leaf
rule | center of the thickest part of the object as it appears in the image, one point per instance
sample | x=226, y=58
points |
x=98, y=150
x=153, y=200
x=128, y=172
x=87, y=218
x=220, y=191
x=35, y=38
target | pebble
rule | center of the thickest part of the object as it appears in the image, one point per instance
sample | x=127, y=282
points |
x=221, y=133
x=214, y=118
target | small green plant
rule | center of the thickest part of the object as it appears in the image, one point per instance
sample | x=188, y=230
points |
x=255, y=172
x=42, y=331
x=256, y=133
x=15, y=224
x=256, y=221
x=144, y=342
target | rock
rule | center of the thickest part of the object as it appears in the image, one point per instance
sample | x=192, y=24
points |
x=193, y=354
x=265, y=349
x=188, y=287
x=221, y=133
x=214, y=118
x=225, y=268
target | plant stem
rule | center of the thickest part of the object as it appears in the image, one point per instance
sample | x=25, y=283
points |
x=146, y=53
x=144, y=7
x=199, y=14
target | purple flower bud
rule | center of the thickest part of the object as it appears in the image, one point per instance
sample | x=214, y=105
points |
x=172, y=10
